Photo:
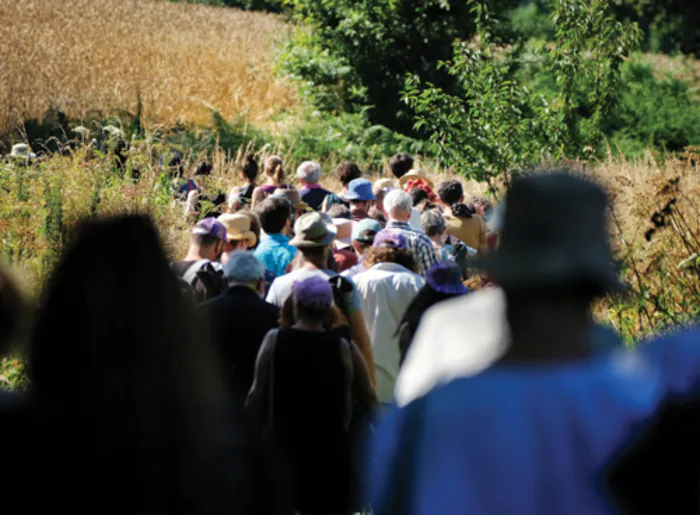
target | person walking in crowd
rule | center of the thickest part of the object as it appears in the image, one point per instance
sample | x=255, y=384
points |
x=309, y=173
x=462, y=221
x=443, y=282
x=299, y=207
x=399, y=206
x=313, y=432
x=361, y=198
x=274, y=250
x=448, y=447
x=363, y=234
x=400, y=164
x=343, y=253
x=380, y=188
x=346, y=172
x=314, y=233
x=274, y=173
x=433, y=224
x=239, y=320
x=387, y=288
x=137, y=414
x=201, y=268
x=249, y=174
x=238, y=234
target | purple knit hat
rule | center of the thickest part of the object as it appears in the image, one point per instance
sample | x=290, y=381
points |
x=390, y=238
x=446, y=277
x=314, y=292
x=210, y=227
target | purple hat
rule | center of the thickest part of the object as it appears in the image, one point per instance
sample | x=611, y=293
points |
x=446, y=277
x=210, y=227
x=390, y=238
x=359, y=189
x=314, y=292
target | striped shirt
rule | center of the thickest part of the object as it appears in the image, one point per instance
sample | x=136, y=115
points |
x=418, y=243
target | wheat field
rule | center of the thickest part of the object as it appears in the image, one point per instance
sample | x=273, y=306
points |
x=86, y=55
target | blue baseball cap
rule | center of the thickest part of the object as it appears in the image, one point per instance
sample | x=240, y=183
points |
x=365, y=230
x=359, y=189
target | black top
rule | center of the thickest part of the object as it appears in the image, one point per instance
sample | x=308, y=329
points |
x=312, y=397
x=314, y=197
x=246, y=191
x=239, y=320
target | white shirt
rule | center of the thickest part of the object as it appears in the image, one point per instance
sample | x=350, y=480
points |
x=457, y=338
x=386, y=290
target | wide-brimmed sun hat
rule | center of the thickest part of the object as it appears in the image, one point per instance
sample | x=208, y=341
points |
x=554, y=235
x=413, y=175
x=359, y=189
x=313, y=230
x=238, y=228
x=343, y=238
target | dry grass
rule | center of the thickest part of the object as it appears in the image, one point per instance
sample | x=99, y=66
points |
x=84, y=55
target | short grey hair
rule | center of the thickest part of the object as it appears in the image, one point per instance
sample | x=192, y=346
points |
x=243, y=267
x=309, y=171
x=432, y=222
x=397, y=200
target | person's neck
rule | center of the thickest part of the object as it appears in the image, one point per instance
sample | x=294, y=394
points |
x=197, y=253
x=400, y=219
x=548, y=331
x=313, y=263
x=273, y=182
x=315, y=327
x=252, y=287
x=437, y=242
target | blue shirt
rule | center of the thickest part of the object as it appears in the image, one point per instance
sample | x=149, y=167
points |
x=516, y=439
x=276, y=253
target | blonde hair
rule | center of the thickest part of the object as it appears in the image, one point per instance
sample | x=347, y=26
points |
x=274, y=168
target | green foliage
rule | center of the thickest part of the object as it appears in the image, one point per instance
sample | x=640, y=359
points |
x=53, y=229
x=496, y=125
x=358, y=51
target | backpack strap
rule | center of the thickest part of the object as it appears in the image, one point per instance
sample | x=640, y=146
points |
x=191, y=273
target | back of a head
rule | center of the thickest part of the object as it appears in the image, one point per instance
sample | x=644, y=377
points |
x=398, y=202
x=273, y=213
x=432, y=222
x=451, y=192
x=401, y=164
x=339, y=211
x=418, y=195
x=134, y=394
x=249, y=167
x=244, y=268
x=309, y=172
x=347, y=171
x=274, y=167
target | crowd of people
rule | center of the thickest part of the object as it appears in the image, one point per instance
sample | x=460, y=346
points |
x=392, y=347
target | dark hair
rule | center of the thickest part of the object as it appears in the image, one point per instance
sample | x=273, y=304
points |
x=249, y=167
x=418, y=195
x=11, y=308
x=339, y=211
x=401, y=164
x=377, y=215
x=254, y=224
x=403, y=257
x=426, y=298
x=347, y=171
x=450, y=192
x=313, y=252
x=175, y=165
x=136, y=412
x=204, y=240
x=273, y=213
x=203, y=169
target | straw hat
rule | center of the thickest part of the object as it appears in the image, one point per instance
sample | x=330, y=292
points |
x=293, y=196
x=344, y=237
x=383, y=184
x=413, y=175
x=238, y=228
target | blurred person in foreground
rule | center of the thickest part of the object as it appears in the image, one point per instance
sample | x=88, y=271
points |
x=462, y=221
x=136, y=414
x=312, y=398
x=387, y=288
x=362, y=237
x=457, y=448
x=239, y=319
x=201, y=268
x=443, y=282
x=399, y=206
x=309, y=173
x=314, y=233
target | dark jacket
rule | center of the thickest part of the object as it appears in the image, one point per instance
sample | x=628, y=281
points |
x=239, y=320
